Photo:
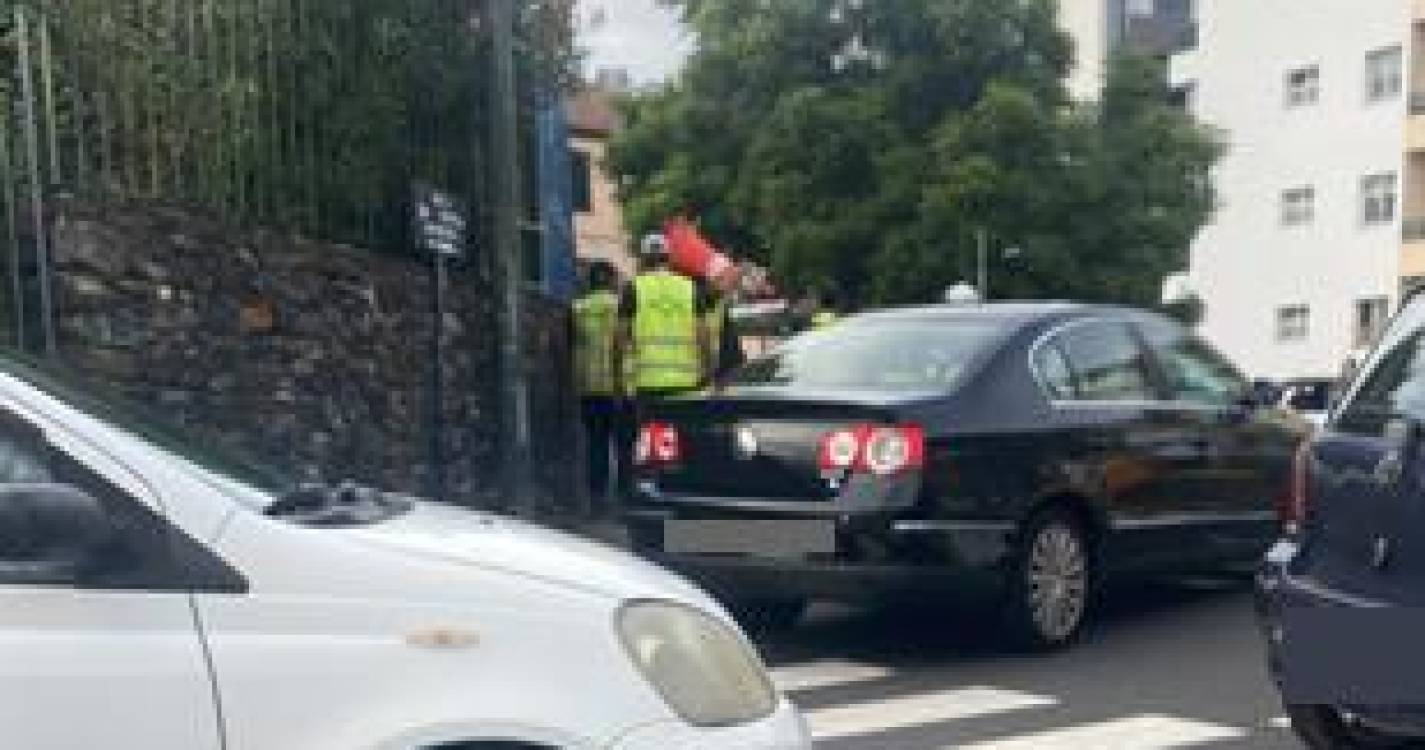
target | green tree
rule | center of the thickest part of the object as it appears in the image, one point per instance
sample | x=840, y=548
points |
x=866, y=144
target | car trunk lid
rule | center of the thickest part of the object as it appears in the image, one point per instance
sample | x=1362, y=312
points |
x=763, y=443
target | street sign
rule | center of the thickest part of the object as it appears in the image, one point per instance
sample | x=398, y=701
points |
x=441, y=228
x=441, y=222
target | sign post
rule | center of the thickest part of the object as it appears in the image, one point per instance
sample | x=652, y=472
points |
x=504, y=149
x=441, y=229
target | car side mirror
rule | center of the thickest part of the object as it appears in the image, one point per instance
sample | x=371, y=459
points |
x=50, y=534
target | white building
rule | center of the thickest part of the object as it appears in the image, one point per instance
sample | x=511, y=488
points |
x=1087, y=21
x=1304, y=259
x=1100, y=28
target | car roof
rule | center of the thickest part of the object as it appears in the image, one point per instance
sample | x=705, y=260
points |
x=1009, y=314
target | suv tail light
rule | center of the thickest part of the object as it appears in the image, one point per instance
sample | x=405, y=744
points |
x=1297, y=498
x=882, y=451
x=659, y=444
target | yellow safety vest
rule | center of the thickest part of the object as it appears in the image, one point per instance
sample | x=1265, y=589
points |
x=596, y=321
x=665, y=342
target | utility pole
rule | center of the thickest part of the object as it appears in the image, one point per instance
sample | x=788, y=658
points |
x=982, y=244
x=505, y=191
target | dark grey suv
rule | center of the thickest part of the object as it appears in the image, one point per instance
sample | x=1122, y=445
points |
x=1342, y=594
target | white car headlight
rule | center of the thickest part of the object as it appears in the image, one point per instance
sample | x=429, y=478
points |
x=704, y=669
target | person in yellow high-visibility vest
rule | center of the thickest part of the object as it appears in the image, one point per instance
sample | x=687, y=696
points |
x=595, y=334
x=663, y=342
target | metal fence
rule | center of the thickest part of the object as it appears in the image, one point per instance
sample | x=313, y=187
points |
x=306, y=114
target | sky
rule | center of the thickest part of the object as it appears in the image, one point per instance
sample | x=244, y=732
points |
x=632, y=34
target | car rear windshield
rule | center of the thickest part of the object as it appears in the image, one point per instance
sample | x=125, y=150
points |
x=904, y=355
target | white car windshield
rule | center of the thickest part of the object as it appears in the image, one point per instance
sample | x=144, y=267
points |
x=151, y=425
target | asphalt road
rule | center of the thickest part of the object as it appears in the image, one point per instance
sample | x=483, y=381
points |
x=1174, y=666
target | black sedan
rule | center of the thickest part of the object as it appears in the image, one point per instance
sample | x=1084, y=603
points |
x=1021, y=451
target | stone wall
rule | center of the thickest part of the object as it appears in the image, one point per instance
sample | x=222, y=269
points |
x=312, y=356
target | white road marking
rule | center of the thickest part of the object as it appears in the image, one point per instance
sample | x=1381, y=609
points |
x=829, y=673
x=1279, y=722
x=1129, y=733
x=873, y=717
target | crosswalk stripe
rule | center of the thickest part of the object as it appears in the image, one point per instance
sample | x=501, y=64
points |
x=1130, y=733
x=823, y=674
x=920, y=709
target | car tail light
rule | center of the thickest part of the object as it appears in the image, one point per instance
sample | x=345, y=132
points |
x=658, y=444
x=839, y=450
x=1297, y=498
x=882, y=451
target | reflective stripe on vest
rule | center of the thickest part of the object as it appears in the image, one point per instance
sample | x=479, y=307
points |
x=596, y=321
x=665, y=328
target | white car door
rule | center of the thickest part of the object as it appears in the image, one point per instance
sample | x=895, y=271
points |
x=108, y=657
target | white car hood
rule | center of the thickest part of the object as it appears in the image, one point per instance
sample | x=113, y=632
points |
x=491, y=542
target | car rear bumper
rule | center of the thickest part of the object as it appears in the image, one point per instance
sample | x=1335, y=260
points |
x=1281, y=599
x=877, y=558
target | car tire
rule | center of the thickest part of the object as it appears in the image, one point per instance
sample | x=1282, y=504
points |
x=1325, y=728
x=1052, y=583
x=766, y=616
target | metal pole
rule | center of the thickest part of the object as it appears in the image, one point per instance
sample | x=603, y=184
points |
x=12, y=233
x=437, y=379
x=37, y=202
x=505, y=192
x=982, y=243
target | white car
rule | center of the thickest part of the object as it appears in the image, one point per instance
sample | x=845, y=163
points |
x=156, y=595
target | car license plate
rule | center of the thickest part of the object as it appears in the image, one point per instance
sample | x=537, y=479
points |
x=774, y=539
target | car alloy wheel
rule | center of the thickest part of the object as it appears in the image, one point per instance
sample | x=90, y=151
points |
x=1051, y=584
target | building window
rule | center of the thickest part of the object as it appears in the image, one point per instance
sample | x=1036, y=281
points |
x=1298, y=206
x=1303, y=86
x=1372, y=313
x=1183, y=97
x=583, y=181
x=1378, y=198
x=1293, y=323
x=1140, y=8
x=1383, y=74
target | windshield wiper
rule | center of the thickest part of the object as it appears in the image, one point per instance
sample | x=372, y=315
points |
x=339, y=506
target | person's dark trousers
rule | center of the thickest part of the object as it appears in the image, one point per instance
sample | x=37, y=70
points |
x=602, y=440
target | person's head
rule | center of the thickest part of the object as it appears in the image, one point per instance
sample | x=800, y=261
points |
x=602, y=276
x=653, y=251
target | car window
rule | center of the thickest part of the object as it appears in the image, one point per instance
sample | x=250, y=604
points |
x=22, y=454
x=1195, y=372
x=140, y=553
x=1055, y=373
x=1106, y=361
x=901, y=355
x=1395, y=386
